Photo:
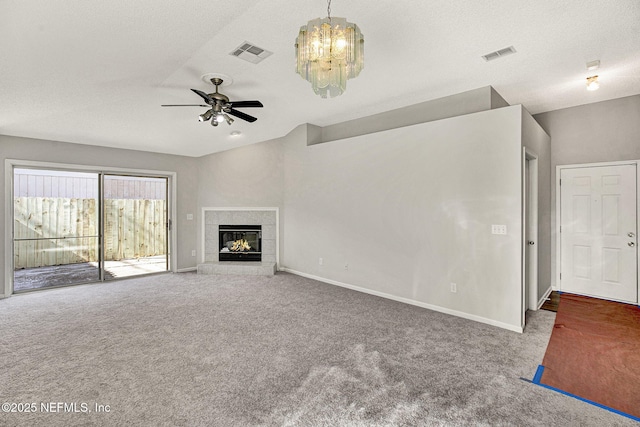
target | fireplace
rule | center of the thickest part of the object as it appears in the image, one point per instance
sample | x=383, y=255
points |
x=240, y=242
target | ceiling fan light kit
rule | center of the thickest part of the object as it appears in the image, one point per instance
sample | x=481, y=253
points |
x=220, y=105
x=329, y=51
x=205, y=116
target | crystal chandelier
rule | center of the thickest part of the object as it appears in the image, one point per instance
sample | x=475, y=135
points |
x=328, y=52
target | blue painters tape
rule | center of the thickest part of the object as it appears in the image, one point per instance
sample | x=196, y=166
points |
x=538, y=376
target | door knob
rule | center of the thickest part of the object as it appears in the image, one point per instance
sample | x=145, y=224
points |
x=531, y=242
x=632, y=244
x=631, y=235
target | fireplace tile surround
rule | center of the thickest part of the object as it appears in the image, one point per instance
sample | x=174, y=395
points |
x=265, y=217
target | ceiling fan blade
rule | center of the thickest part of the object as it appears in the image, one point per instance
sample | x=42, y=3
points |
x=204, y=96
x=185, y=105
x=246, y=104
x=241, y=115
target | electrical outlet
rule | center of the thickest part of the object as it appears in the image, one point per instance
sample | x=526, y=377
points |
x=498, y=229
x=193, y=252
x=346, y=266
x=320, y=261
x=189, y=217
x=454, y=288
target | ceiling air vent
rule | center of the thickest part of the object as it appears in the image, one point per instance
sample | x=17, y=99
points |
x=250, y=52
x=499, y=53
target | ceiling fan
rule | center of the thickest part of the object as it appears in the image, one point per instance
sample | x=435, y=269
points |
x=220, y=105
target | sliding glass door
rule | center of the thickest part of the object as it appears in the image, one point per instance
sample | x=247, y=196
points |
x=60, y=216
x=56, y=228
x=135, y=231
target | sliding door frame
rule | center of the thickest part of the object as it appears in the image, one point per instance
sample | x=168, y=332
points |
x=9, y=166
x=167, y=228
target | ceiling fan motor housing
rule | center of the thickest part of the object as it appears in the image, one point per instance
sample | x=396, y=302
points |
x=221, y=107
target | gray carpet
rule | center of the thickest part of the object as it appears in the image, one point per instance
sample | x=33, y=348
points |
x=189, y=350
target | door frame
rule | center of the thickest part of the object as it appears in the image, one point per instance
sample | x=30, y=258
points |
x=558, y=241
x=103, y=175
x=10, y=164
x=529, y=222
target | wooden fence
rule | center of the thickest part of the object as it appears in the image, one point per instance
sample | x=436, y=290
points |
x=63, y=230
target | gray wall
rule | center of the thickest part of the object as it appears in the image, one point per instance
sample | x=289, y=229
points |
x=410, y=211
x=61, y=152
x=537, y=140
x=472, y=101
x=431, y=190
x=600, y=132
x=249, y=176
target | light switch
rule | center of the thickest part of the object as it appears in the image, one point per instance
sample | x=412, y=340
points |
x=189, y=217
x=498, y=229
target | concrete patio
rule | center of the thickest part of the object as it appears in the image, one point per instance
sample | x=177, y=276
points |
x=28, y=279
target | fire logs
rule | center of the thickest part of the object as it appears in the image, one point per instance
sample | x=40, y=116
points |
x=240, y=245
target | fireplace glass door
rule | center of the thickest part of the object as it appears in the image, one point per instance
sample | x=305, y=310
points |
x=240, y=242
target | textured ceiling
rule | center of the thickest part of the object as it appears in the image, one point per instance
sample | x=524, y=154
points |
x=97, y=72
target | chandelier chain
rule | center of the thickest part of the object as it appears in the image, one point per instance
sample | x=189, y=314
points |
x=329, y=10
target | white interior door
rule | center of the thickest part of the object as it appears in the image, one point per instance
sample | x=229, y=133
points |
x=598, y=232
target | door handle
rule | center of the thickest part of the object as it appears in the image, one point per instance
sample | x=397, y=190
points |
x=631, y=235
x=531, y=243
x=632, y=244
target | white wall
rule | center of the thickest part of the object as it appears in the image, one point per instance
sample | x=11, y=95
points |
x=410, y=211
x=600, y=132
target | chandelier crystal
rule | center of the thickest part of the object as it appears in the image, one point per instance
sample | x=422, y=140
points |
x=329, y=51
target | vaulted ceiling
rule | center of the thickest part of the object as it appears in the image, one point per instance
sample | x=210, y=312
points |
x=97, y=72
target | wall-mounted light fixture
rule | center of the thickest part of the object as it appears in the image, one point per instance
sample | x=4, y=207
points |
x=592, y=83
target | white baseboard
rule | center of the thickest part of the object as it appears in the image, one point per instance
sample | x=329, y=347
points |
x=186, y=270
x=544, y=297
x=437, y=308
